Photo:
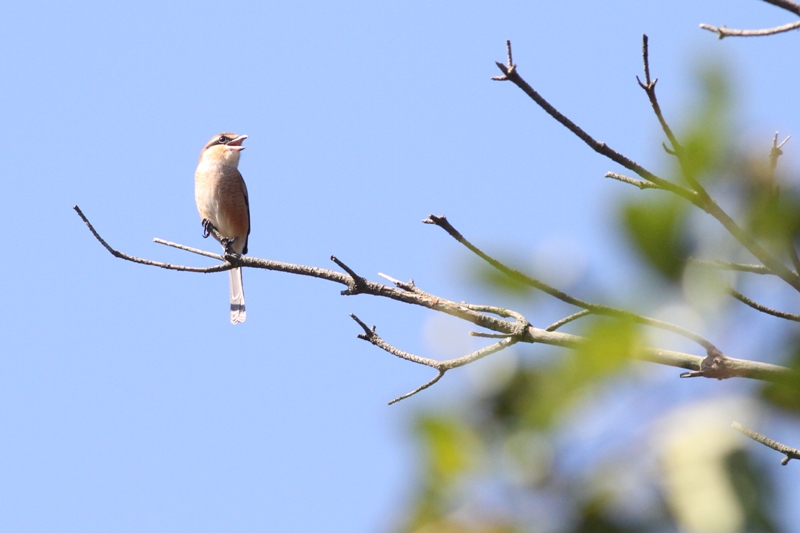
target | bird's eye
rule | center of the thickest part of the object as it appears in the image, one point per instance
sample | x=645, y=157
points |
x=222, y=139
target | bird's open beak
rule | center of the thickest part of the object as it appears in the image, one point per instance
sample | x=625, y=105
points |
x=236, y=144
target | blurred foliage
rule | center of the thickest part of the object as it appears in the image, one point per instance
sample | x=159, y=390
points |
x=786, y=393
x=493, y=464
x=657, y=229
x=705, y=151
x=512, y=286
x=753, y=490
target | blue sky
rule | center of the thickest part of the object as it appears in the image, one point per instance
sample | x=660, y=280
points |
x=128, y=402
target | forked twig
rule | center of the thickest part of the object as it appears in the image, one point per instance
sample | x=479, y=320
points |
x=370, y=335
x=697, y=195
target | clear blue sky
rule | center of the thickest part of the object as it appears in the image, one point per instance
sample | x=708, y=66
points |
x=128, y=402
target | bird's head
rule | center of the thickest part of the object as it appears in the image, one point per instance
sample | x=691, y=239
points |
x=223, y=148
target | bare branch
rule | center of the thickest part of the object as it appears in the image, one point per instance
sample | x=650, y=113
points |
x=788, y=451
x=567, y=320
x=763, y=308
x=420, y=388
x=356, y=284
x=159, y=264
x=500, y=311
x=189, y=249
x=371, y=336
x=489, y=335
x=698, y=196
x=788, y=5
x=405, y=285
x=510, y=332
x=510, y=74
x=723, y=31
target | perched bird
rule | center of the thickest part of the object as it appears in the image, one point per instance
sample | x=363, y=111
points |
x=222, y=201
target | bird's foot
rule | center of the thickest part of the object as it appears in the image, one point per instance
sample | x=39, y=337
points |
x=227, y=244
x=208, y=227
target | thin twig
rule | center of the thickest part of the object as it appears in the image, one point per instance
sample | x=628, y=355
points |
x=763, y=308
x=499, y=311
x=420, y=388
x=788, y=451
x=510, y=74
x=370, y=335
x=723, y=31
x=726, y=265
x=567, y=320
x=405, y=285
x=788, y=5
x=642, y=184
x=159, y=264
x=650, y=88
x=189, y=249
x=489, y=335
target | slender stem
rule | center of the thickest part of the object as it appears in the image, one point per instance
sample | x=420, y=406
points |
x=650, y=88
x=723, y=32
x=763, y=308
x=726, y=265
x=788, y=451
x=564, y=321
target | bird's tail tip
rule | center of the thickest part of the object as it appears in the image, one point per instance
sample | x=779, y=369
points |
x=238, y=313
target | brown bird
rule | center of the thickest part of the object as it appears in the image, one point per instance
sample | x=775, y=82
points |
x=222, y=201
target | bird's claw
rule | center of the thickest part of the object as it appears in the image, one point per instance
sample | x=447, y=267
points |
x=207, y=227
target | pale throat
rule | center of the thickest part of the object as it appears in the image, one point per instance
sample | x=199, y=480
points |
x=215, y=158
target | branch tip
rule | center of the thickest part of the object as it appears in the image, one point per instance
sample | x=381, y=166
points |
x=357, y=282
x=419, y=389
x=789, y=452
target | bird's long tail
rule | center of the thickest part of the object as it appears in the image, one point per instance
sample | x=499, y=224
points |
x=238, y=313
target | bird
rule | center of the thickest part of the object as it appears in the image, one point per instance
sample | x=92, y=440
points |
x=223, y=204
